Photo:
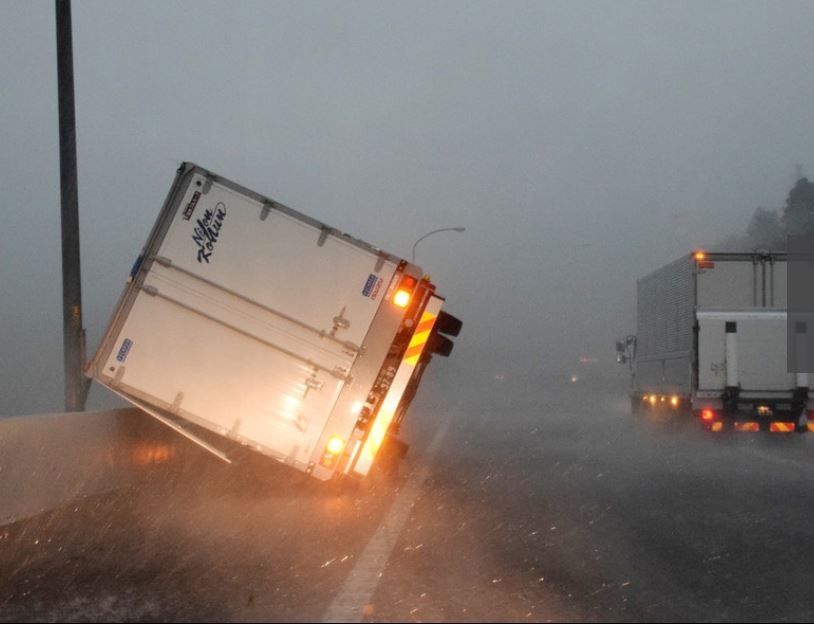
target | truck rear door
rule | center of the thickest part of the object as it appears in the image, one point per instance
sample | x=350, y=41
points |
x=761, y=350
x=244, y=317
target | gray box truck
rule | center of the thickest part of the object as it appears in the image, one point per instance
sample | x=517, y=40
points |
x=711, y=340
x=265, y=326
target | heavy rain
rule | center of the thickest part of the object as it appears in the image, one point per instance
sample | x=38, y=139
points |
x=603, y=193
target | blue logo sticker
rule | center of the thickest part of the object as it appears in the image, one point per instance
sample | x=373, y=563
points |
x=125, y=349
x=369, y=284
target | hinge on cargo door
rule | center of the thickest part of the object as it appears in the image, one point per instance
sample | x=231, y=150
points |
x=379, y=263
x=352, y=348
x=323, y=235
x=266, y=209
x=207, y=184
x=340, y=322
x=312, y=383
x=175, y=408
x=342, y=373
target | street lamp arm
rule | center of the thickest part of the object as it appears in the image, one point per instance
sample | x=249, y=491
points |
x=447, y=229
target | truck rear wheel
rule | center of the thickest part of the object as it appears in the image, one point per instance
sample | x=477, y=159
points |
x=395, y=447
x=390, y=455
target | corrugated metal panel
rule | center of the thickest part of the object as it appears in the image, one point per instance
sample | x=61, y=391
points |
x=665, y=309
x=670, y=375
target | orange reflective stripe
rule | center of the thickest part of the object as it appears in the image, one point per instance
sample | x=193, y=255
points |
x=784, y=427
x=419, y=339
x=427, y=321
x=414, y=352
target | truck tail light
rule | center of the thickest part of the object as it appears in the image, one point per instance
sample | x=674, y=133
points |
x=405, y=291
x=333, y=449
x=335, y=445
x=401, y=298
x=710, y=420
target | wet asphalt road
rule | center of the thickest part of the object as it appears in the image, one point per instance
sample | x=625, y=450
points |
x=523, y=499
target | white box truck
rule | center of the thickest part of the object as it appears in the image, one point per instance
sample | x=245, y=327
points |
x=258, y=323
x=711, y=339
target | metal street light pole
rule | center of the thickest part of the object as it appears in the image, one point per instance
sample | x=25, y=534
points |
x=449, y=229
x=76, y=387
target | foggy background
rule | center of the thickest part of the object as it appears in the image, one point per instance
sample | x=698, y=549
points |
x=582, y=145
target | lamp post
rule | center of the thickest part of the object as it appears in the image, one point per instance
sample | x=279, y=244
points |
x=449, y=229
x=76, y=385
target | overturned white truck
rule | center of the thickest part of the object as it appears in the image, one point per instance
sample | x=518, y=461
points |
x=711, y=339
x=263, y=325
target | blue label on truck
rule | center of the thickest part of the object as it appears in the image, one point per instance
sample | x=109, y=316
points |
x=369, y=284
x=125, y=349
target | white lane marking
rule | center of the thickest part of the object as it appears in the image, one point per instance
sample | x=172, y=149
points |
x=362, y=581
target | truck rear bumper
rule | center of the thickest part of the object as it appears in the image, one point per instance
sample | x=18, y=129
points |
x=785, y=415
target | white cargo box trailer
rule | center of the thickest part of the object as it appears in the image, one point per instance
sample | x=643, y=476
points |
x=265, y=326
x=711, y=338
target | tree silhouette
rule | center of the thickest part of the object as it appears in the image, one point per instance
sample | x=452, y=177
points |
x=798, y=215
x=766, y=230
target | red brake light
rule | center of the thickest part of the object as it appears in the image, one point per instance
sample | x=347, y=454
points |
x=405, y=291
x=401, y=298
x=707, y=414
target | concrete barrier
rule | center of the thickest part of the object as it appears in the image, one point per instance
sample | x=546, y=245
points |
x=49, y=459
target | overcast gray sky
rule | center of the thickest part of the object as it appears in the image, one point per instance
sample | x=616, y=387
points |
x=582, y=145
